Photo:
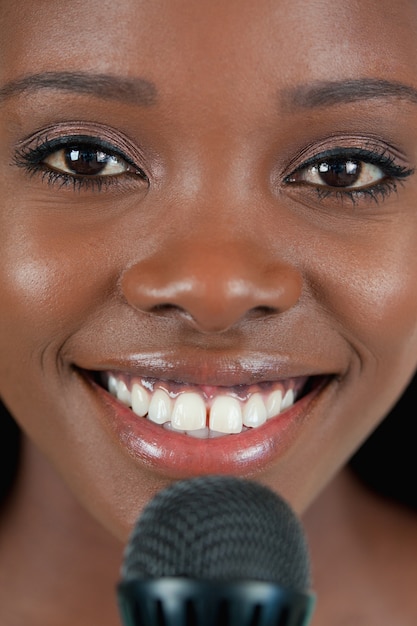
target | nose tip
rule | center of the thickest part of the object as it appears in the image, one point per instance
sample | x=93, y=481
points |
x=212, y=293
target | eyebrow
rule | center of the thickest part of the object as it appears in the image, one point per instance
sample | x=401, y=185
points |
x=327, y=93
x=137, y=91
x=142, y=92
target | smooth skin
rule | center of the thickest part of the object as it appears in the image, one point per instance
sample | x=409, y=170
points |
x=211, y=244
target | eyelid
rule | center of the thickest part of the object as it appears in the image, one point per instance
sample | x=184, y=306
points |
x=374, y=156
x=389, y=161
x=380, y=157
x=109, y=137
x=31, y=156
x=49, y=146
x=34, y=161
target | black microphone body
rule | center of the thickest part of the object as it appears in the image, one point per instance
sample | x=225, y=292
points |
x=216, y=551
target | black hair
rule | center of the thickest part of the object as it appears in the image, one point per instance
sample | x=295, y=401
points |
x=387, y=461
x=9, y=451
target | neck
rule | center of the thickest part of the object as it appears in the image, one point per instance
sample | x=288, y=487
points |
x=59, y=563
x=364, y=554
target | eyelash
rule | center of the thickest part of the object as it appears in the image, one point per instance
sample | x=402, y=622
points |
x=392, y=174
x=32, y=161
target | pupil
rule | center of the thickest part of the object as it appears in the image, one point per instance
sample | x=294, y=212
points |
x=337, y=173
x=85, y=161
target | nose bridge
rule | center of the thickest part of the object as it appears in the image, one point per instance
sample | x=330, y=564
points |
x=213, y=271
x=216, y=262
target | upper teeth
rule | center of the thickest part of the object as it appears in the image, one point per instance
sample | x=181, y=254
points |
x=188, y=412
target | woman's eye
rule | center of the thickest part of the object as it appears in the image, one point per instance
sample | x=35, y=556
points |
x=341, y=173
x=86, y=161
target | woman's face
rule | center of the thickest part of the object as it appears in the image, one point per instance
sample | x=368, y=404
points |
x=206, y=208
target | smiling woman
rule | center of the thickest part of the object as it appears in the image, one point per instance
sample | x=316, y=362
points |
x=208, y=229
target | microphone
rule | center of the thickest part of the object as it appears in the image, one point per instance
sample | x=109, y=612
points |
x=216, y=551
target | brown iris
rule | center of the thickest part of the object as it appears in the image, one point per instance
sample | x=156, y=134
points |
x=86, y=161
x=339, y=173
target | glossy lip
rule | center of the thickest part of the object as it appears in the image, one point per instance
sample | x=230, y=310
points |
x=175, y=455
x=217, y=369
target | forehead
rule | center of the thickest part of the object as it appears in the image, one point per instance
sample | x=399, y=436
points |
x=221, y=39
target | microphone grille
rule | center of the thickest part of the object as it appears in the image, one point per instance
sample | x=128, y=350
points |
x=218, y=528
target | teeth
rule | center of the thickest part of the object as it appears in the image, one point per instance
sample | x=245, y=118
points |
x=189, y=412
x=168, y=426
x=254, y=411
x=201, y=433
x=140, y=400
x=288, y=400
x=273, y=405
x=226, y=415
x=123, y=393
x=112, y=385
x=160, y=407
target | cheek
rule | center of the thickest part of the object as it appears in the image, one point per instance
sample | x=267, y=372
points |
x=371, y=291
x=49, y=284
x=52, y=284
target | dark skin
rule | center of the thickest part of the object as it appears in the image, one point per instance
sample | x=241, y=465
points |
x=211, y=254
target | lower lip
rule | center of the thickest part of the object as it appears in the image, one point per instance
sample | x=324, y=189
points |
x=175, y=455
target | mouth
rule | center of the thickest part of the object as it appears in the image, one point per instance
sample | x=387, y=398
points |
x=210, y=422
x=205, y=411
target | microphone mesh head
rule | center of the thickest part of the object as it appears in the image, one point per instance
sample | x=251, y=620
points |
x=218, y=528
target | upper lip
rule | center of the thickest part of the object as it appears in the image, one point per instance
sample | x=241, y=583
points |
x=207, y=368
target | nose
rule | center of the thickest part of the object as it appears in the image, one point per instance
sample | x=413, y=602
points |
x=211, y=286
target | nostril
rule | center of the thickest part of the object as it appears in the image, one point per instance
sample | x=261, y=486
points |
x=167, y=309
x=163, y=308
x=261, y=311
x=197, y=317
